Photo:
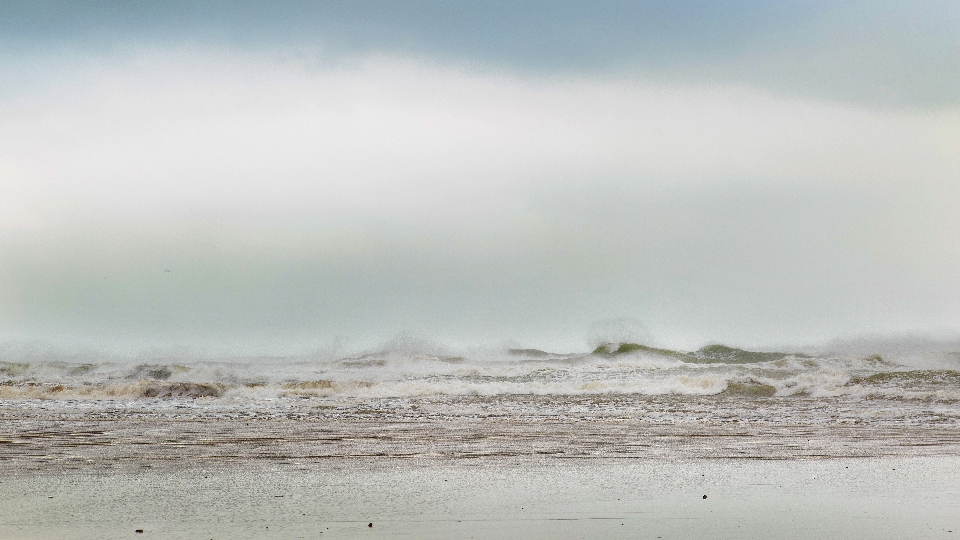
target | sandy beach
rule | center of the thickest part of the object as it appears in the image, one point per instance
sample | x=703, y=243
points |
x=473, y=467
x=868, y=498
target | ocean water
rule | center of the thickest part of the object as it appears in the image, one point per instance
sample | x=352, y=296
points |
x=414, y=400
x=410, y=368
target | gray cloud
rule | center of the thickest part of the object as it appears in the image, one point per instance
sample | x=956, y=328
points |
x=880, y=53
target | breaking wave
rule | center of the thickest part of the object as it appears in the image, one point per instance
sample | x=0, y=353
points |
x=416, y=368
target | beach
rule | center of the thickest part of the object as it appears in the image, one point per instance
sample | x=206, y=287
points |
x=891, y=497
x=508, y=466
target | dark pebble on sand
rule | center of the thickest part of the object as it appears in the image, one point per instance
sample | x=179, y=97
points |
x=369, y=524
x=704, y=496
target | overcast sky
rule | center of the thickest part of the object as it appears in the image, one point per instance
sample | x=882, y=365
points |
x=271, y=176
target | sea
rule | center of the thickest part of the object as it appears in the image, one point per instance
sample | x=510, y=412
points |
x=852, y=439
x=859, y=399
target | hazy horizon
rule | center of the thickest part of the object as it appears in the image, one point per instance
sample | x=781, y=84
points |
x=281, y=176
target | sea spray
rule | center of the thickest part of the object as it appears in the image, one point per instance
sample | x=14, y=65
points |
x=408, y=367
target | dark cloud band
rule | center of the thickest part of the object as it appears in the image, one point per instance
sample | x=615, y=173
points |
x=886, y=53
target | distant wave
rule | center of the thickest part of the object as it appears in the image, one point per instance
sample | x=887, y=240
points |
x=711, y=354
x=613, y=368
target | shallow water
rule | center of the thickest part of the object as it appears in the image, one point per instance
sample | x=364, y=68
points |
x=45, y=435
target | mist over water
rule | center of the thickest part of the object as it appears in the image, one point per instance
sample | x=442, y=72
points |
x=906, y=369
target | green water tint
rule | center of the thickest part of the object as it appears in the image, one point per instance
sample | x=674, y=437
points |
x=535, y=353
x=749, y=389
x=183, y=390
x=12, y=369
x=711, y=354
x=157, y=372
x=938, y=376
x=82, y=369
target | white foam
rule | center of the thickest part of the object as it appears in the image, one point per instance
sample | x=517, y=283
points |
x=415, y=369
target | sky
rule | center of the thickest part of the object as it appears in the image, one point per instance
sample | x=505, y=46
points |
x=271, y=177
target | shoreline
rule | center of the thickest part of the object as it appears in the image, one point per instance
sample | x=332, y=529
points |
x=49, y=435
x=594, y=467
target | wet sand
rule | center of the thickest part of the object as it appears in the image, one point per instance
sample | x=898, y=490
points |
x=869, y=498
x=474, y=467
